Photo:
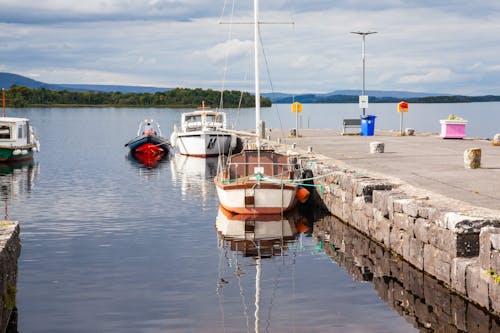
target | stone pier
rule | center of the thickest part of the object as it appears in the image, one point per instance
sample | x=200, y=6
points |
x=417, y=200
x=10, y=249
x=459, y=248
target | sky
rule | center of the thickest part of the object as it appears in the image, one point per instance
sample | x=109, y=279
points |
x=420, y=46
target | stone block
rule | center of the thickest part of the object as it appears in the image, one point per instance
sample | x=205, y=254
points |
x=416, y=253
x=458, y=274
x=400, y=242
x=380, y=228
x=437, y=263
x=485, y=248
x=347, y=212
x=380, y=201
x=421, y=230
x=494, y=295
x=358, y=203
x=403, y=221
x=365, y=187
x=460, y=223
x=456, y=244
x=436, y=216
x=360, y=221
x=345, y=181
x=399, y=203
x=495, y=261
x=411, y=208
x=477, y=285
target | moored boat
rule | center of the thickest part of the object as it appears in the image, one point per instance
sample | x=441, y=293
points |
x=18, y=140
x=149, y=145
x=203, y=133
x=257, y=180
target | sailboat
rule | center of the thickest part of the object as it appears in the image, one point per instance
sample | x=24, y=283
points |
x=257, y=180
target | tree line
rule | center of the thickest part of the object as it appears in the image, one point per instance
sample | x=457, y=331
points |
x=19, y=96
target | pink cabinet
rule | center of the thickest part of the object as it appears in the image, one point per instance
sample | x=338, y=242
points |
x=453, y=129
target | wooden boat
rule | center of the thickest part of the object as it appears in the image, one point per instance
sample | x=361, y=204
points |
x=257, y=181
x=203, y=133
x=149, y=146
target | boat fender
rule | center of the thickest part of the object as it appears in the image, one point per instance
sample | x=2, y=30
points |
x=24, y=152
x=234, y=141
x=16, y=152
x=302, y=194
x=173, y=138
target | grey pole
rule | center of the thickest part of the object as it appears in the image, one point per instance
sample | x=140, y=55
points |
x=364, y=34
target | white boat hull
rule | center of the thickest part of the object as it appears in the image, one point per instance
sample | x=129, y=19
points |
x=265, y=227
x=249, y=198
x=203, y=144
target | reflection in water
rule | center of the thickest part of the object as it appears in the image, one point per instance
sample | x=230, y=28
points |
x=148, y=160
x=16, y=180
x=195, y=175
x=146, y=170
x=418, y=298
x=255, y=237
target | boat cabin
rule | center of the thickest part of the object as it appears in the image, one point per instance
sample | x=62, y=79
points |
x=14, y=131
x=203, y=121
x=272, y=164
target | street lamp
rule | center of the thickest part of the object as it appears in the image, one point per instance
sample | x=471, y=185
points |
x=364, y=34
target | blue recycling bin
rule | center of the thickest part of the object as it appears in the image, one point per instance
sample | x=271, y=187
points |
x=368, y=125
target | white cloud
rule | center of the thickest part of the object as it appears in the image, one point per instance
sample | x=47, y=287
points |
x=431, y=76
x=231, y=49
x=425, y=46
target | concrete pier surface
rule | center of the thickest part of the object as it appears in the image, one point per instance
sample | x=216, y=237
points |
x=417, y=196
x=425, y=161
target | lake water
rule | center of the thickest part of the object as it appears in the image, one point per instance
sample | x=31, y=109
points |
x=111, y=246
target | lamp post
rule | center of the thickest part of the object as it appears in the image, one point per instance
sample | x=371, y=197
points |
x=364, y=34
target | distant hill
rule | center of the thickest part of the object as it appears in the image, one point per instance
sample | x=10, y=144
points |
x=9, y=79
x=349, y=96
x=337, y=96
x=113, y=88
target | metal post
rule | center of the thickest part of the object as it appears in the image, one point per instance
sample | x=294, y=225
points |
x=363, y=58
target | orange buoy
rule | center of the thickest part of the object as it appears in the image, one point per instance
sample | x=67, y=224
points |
x=302, y=195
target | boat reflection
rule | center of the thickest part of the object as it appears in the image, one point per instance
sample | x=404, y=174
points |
x=194, y=175
x=250, y=234
x=16, y=180
x=420, y=299
x=254, y=238
x=147, y=160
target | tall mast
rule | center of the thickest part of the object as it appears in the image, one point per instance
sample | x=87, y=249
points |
x=4, y=111
x=257, y=76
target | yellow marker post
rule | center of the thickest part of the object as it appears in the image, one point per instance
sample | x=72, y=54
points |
x=296, y=108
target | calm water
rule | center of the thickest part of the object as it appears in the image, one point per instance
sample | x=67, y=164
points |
x=111, y=246
x=484, y=118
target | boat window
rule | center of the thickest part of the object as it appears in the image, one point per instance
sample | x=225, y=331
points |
x=21, y=133
x=5, y=132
